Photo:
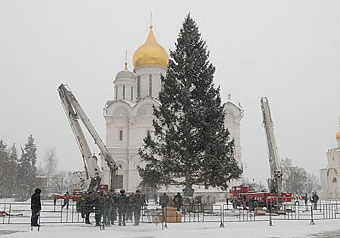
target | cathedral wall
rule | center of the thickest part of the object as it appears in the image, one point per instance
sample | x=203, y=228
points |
x=145, y=73
x=122, y=90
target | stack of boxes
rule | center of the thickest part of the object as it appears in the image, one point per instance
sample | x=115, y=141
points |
x=171, y=215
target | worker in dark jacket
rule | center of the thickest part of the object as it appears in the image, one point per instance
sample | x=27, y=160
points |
x=315, y=199
x=178, y=201
x=114, y=198
x=138, y=203
x=98, y=207
x=122, y=203
x=35, y=207
x=88, y=208
x=66, y=201
x=164, y=200
x=107, y=209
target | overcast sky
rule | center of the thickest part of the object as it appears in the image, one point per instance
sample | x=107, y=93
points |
x=288, y=51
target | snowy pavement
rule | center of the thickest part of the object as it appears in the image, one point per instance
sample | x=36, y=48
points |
x=323, y=228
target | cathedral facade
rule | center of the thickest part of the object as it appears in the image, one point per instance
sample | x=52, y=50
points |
x=330, y=176
x=129, y=115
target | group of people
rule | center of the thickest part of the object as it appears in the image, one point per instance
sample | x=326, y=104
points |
x=177, y=201
x=109, y=205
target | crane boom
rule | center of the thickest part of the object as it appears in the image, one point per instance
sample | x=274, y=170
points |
x=275, y=184
x=73, y=112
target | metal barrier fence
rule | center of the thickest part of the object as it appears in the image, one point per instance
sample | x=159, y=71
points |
x=20, y=213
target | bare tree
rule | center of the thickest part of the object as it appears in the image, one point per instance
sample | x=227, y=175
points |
x=296, y=180
x=312, y=184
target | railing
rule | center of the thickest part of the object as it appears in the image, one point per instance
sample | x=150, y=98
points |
x=20, y=213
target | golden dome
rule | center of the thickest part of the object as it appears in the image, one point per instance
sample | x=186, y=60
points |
x=150, y=53
x=338, y=136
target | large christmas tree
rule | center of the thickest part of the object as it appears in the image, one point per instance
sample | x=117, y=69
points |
x=189, y=144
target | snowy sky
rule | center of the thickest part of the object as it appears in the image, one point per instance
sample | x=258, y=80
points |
x=286, y=50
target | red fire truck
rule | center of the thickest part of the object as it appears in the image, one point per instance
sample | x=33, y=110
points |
x=241, y=196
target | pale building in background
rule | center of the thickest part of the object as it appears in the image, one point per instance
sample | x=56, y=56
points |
x=330, y=176
x=129, y=115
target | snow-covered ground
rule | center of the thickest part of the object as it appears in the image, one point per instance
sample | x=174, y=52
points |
x=324, y=228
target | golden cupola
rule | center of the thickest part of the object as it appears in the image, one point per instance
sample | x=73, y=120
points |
x=337, y=136
x=150, y=53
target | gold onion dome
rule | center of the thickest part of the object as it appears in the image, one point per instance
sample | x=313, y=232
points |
x=338, y=136
x=150, y=53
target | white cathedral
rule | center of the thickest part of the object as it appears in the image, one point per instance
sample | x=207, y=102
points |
x=330, y=176
x=129, y=115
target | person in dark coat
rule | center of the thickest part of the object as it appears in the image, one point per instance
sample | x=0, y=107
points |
x=107, y=209
x=315, y=199
x=130, y=206
x=98, y=207
x=178, y=201
x=164, y=200
x=122, y=203
x=35, y=207
x=114, y=198
x=88, y=208
x=82, y=204
x=306, y=201
x=138, y=203
x=66, y=201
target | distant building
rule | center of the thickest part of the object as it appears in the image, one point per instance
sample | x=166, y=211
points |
x=129, y=115
x=330, y=176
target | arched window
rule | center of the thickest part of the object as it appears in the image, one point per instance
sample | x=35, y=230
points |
x=138, y=86
x=131, y=93
x=150, y=85
x=116, y=89
x=334, y=180
x=123, y=92
x=120, y=135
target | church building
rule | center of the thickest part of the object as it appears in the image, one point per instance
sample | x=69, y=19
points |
x=330, y=176
x=129, y=115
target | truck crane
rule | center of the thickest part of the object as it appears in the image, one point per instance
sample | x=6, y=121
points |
x=242, y=195
x=275, y=181
x=74, y=112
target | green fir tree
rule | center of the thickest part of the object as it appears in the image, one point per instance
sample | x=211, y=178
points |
x=189, y=144
x=13, y=168
x=27, y=169
x=4, y=172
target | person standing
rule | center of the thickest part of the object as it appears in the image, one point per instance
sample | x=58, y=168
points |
x=89, y=203
x=130, y=205
x=35, y=207
x=315, y=199
x=122, y=202
x=178, y=201
x=138, y=202
x=98, y=207
x=164, y=200
x=82, y=204
x=114, y=197
x=66, y=201
x=306, y=201
x=107, y=208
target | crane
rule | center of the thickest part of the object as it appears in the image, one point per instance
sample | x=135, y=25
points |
x=275, y=181
x=74, y=112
